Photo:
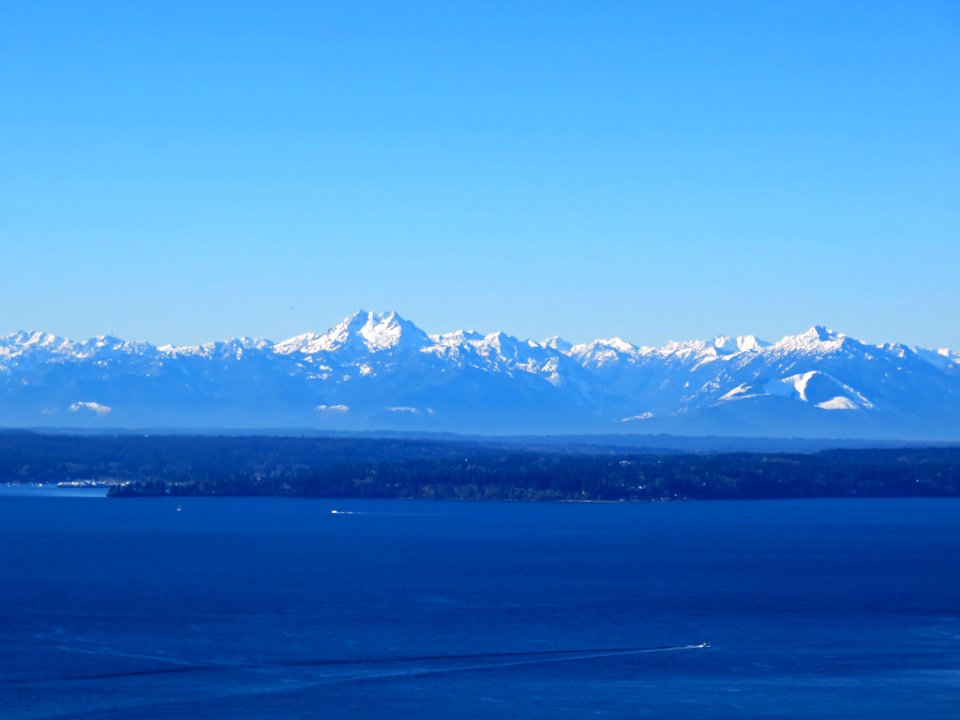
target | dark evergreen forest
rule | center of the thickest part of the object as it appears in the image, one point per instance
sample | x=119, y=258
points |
x=399, y=468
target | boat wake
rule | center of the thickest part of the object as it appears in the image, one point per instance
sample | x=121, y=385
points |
x=507, y=660
x=244, y=677
x=365, y=669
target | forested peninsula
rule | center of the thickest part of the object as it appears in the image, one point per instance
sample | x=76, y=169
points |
x=348, y=467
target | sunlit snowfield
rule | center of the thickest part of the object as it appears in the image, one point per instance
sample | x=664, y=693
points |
x=267, y=608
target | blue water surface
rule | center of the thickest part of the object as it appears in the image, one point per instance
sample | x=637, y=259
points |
x=278, y=608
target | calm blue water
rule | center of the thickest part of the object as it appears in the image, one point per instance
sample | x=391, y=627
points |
x=268, y=608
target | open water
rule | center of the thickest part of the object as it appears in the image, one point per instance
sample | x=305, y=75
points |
x=276, y=608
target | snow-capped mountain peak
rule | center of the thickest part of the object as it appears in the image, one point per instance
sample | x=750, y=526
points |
x=363, y=330
x=602, y=351
x=743, y=343
x=558, y=343
x=306, y=343
x=31, y=340
x=619, y=344
x=388, y=330
x=817, y=339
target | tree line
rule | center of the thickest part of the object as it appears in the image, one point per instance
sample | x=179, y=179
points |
x=345, y=467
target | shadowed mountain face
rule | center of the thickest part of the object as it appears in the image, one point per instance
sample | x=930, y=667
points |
x=380, y=371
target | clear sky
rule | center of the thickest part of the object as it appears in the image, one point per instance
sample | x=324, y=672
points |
x=655, y=170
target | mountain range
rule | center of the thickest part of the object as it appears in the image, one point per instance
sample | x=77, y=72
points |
x=379, y=371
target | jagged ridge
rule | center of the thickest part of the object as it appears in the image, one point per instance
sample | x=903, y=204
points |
x=380, y=371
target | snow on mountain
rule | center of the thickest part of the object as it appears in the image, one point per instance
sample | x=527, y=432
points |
x=558, y=344
x=381, y=371
x=943, y=359
x=362, y=331
x=603, y=352
x=744, y=343
x=820, y=389
x=24, y=343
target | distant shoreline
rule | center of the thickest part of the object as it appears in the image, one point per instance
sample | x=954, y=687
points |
x=204, y=466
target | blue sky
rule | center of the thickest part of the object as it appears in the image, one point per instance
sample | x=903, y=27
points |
x=189, y=171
